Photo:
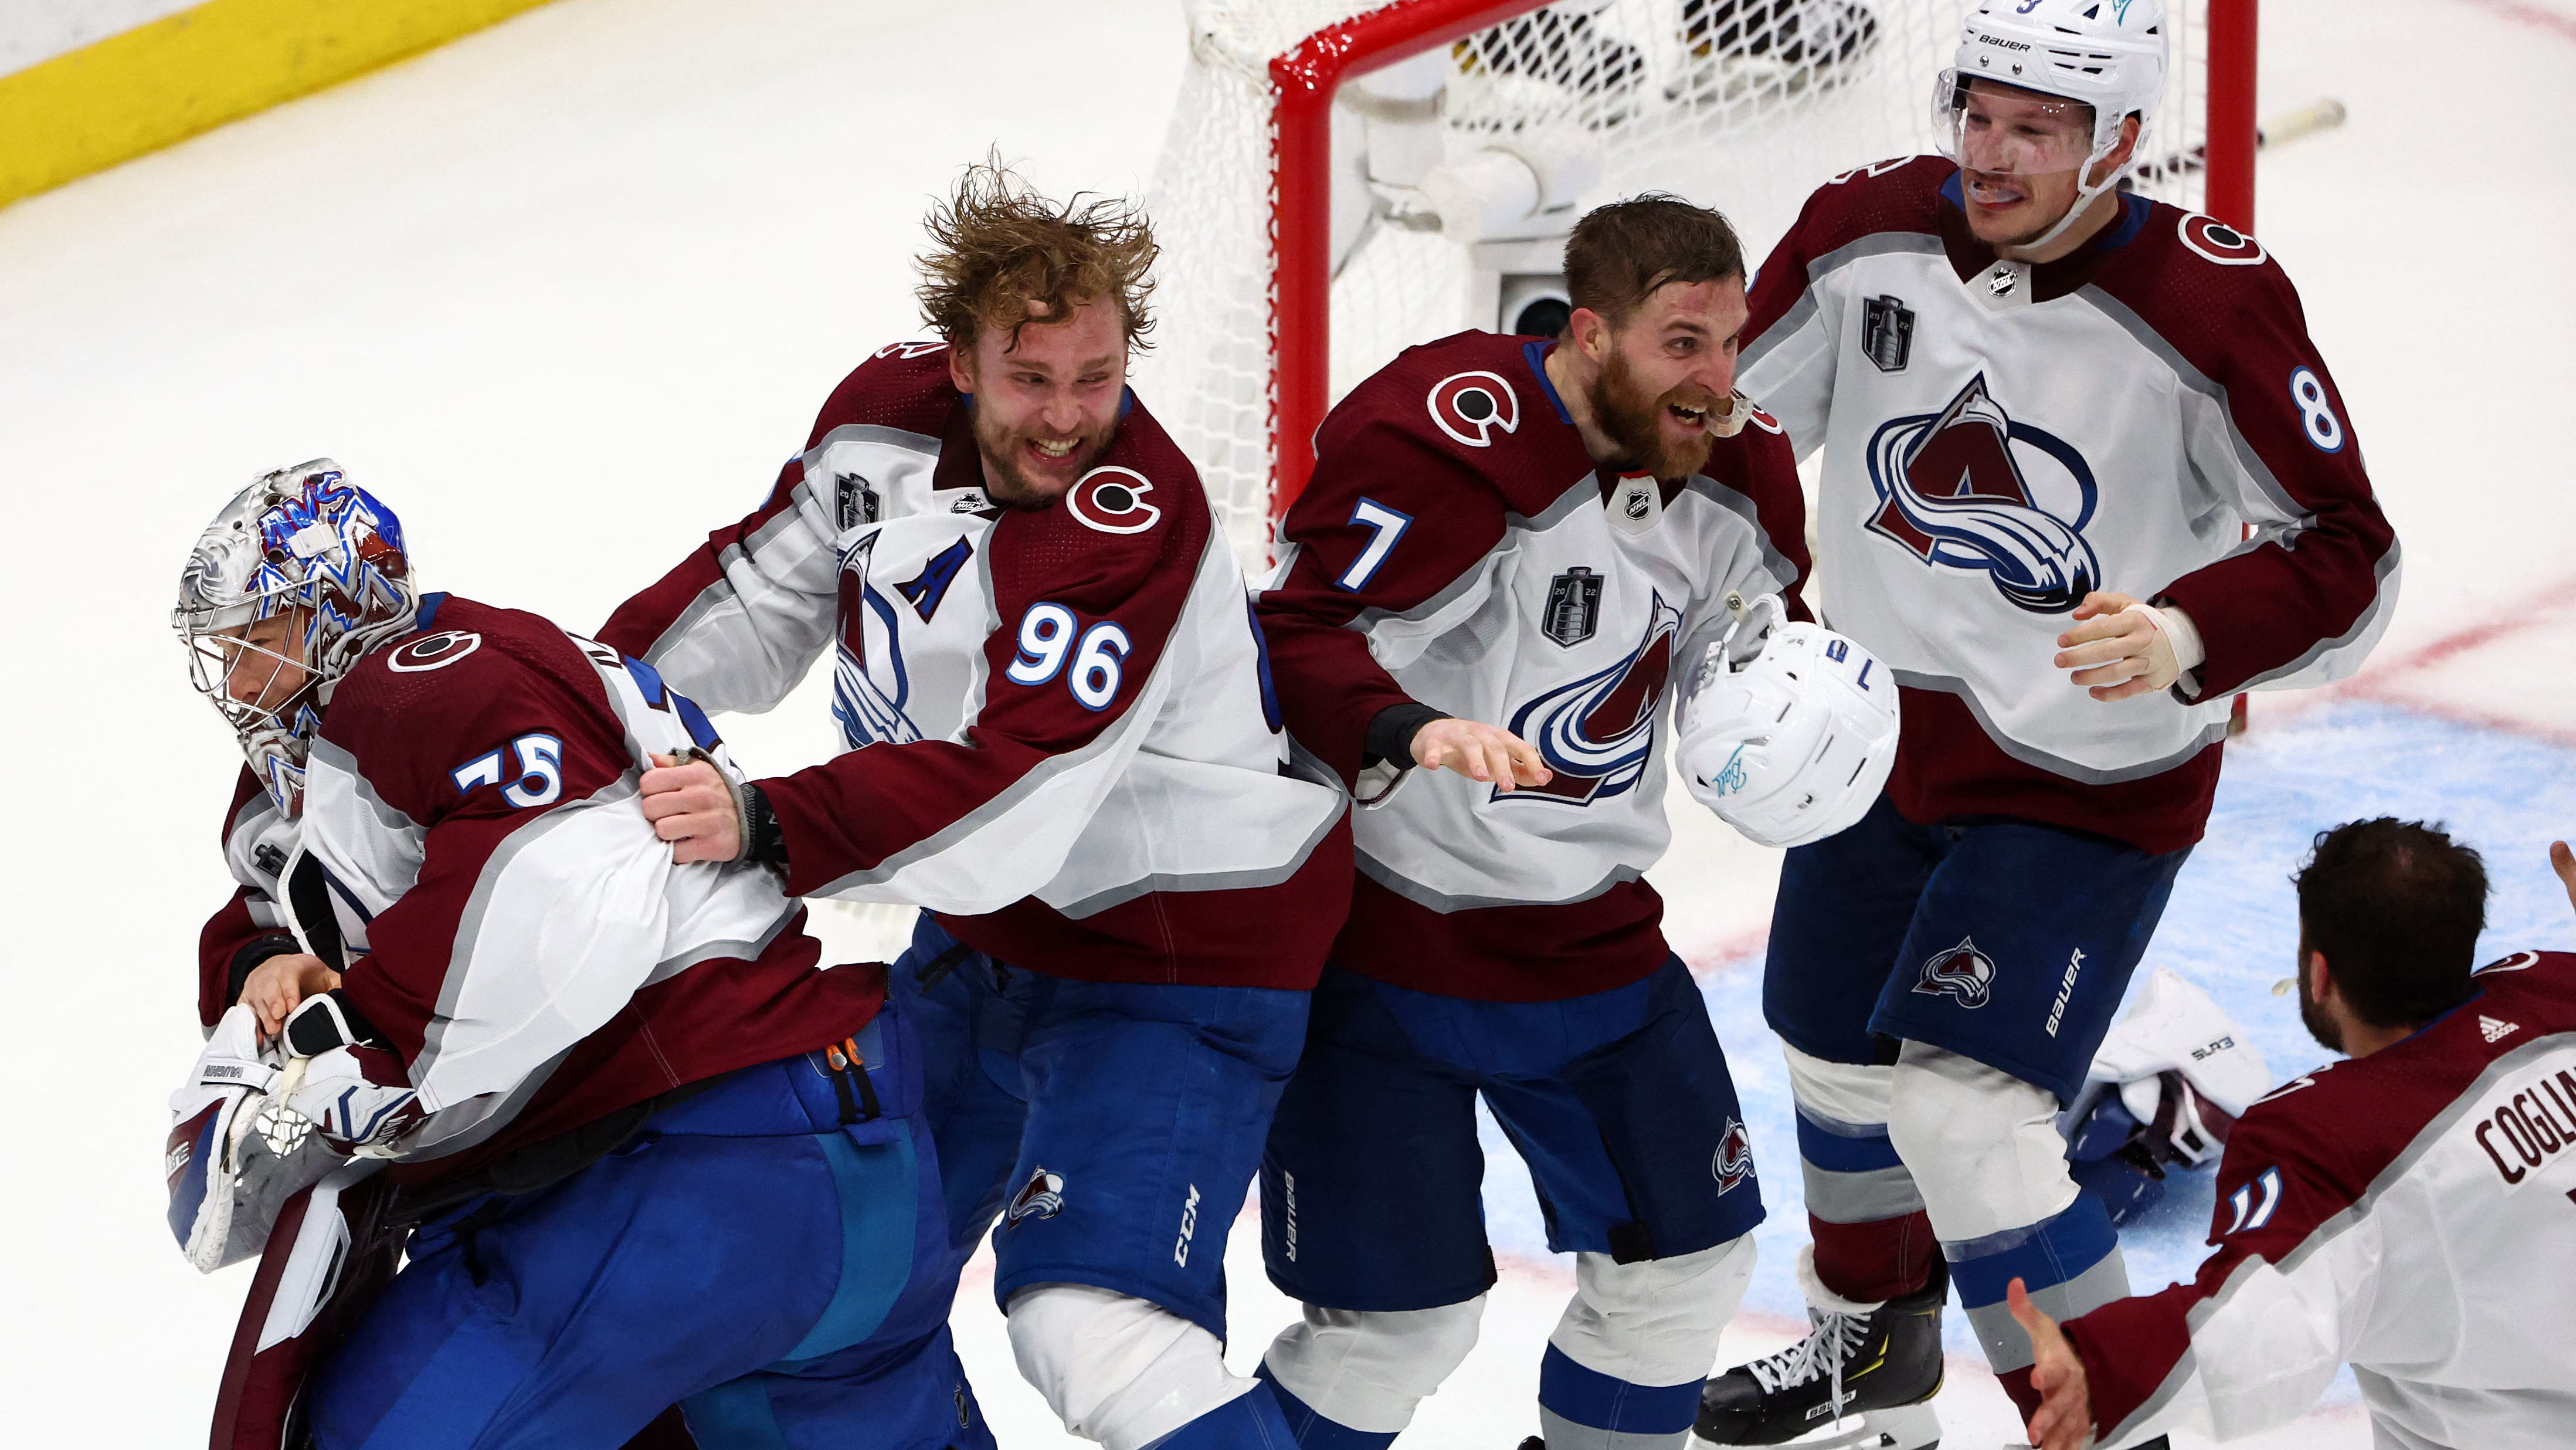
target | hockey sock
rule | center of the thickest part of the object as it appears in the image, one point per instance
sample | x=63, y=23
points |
x=1307, y=1427
x=1249, y=1421
x=2070, y=1264
x=1873, y=1241
x=1582, y=1409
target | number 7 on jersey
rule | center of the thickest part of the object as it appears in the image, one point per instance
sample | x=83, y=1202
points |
x=1385, y=526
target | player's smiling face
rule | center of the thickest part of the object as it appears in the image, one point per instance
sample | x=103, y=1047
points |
x=1665, y=376
x=2021, y=156
x=1046, y=404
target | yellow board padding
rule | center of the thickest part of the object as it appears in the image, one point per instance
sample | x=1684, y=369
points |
x=161, y=83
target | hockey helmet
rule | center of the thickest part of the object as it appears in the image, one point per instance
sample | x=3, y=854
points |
x=302, y=542
x=1793, y=743
x=2106, y=54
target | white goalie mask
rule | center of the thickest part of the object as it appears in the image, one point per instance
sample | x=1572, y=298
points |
x=2106, y=55
x=305, y=544
x=1793, y=744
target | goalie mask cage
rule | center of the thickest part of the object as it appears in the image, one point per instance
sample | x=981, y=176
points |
x=1286, y=276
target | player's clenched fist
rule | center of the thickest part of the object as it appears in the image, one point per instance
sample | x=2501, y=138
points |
x=275, y=986
x=1484, y=752
x=2120, y=647
x=692, y=807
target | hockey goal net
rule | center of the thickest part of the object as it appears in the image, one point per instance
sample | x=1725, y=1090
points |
x=1343, y=179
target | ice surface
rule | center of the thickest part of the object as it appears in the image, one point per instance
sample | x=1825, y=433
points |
x=567, y=291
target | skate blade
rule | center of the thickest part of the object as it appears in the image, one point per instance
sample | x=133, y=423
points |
x=1907, y=1427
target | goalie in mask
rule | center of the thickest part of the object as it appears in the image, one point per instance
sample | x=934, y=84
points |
x=464, y=997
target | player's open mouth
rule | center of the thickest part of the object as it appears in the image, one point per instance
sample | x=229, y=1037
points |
x=1054, y=452
x=1687, y=415
x=1993, y=191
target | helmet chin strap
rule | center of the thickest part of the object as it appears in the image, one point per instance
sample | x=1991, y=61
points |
x=2086, y=193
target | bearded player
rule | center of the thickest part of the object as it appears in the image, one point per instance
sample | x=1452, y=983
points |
x=1060, y=741
x=2405, y=1211
x=1551, y=535
x=2050, y=411
x=637, y=1147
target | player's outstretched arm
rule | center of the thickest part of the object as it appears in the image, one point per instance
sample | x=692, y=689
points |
x=2064, y=1419
x=2562, y=861
x=1479, y=751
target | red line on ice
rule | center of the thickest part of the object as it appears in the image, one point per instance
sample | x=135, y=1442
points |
x=2531, y=15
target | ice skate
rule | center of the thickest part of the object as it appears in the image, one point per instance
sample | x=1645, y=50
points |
x=1877, y=1368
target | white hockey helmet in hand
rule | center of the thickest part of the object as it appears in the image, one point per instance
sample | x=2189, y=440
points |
x=1795, y=743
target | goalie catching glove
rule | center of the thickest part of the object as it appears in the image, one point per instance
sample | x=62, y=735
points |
x=1792, y=744
x=258, y=1122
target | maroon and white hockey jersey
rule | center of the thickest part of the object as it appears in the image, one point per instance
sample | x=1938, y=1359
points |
x=1058, y=725
x=516, y=933
x=2001, y=438
x=2412, y=1214
x=1457, y=547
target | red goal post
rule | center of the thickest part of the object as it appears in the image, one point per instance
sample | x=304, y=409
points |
x=1269, y=310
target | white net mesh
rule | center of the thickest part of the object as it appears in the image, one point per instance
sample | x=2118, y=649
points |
x=1743, y=105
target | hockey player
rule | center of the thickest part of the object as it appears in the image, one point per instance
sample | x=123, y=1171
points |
x=1551, y=535
x=651, y=1151
x=2405, y=1212
x=1060, y=740
x=2049, y=411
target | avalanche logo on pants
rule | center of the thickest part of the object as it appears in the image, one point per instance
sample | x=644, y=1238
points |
x=1598, y=732
x=1041, y=1197
x=1969, y=488
x=1962, y=972
x=1734, y=1161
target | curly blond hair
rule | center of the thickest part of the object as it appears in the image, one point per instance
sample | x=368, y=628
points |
x=999, y=249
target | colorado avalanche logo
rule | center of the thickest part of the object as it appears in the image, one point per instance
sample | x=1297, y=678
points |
x=1471, y=406
x=1111, y=500
x=1734, y=1161
x=870, y=687
x=1597, y=733
x=1954, y=492
x=1041, y=1197
x=1962, y=972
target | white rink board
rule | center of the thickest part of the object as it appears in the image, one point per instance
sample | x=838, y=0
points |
x=567, y=291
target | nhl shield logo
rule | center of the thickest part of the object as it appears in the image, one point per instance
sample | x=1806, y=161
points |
x=1887, y=333
x=1041, y=1197
x=1573, y=607
x=1962, y=972
x=1734, y=1161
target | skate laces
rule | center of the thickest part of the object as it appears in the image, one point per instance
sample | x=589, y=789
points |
x=1835, y=1339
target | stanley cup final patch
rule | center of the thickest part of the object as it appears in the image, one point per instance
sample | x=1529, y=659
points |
x=1573, y=607
x=1887, y=333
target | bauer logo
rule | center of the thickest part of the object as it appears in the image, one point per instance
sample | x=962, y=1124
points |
x=1886, y=333
x=1969, y=489
x=1041, y=1197
x=1962, y=972
x=1471, y=406
x=1734, y=1161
